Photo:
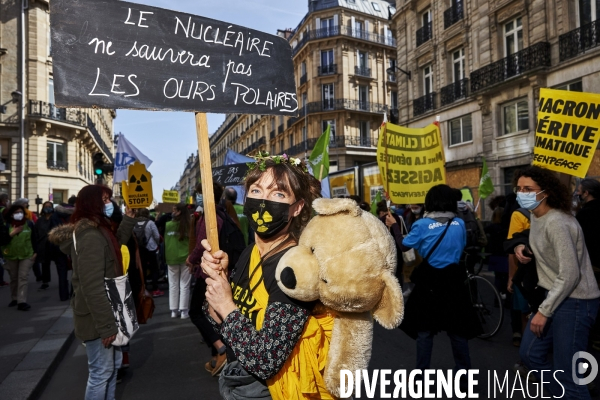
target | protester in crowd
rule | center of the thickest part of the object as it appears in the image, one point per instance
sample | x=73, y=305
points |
x=382, y=209
x=3, y=204
x=588, y=217
x=414, y=212
x=440, y=300
x=46, y=250
x=498, y=260
x=95, y=255
x=148, y=241
x=396, y=228
x=231, y=195
x=364, y=206
x=28, y=214
x=176, y=252
x=281, y=187
x=20, y=248
x=563, y=320
x=61, y=215
x=211, y=337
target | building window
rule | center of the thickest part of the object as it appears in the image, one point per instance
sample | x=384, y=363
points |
x=292, y=140
x=458, y=60
x=392, y=66
x=515, y=117
x=303, y=69
x=573, y=87
x=281, y=146
x=461, y=130
x=327, y=26
x=427, y=80
x=328, y=100
x=51, y=91
x=587, y=12
x=59, y=196
x=394, y=100
x=56, y=157
x=327, y=63
x=304, y=138
x=363, y=60
x=513, y=37
x=376, y=6
x=365, y=134
x=332, y=131
x=363, y=97
x=359, y=27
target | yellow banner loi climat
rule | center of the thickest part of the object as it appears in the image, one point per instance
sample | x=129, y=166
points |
x=566, y=136
x=170, y=196
x=411, y=162
x=137, y=190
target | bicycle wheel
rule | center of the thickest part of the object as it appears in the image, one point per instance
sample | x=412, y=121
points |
x=487, y=304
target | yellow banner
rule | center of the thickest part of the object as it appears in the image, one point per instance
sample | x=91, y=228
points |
x=566, y=136
x=342, y=184
x=170, y=196
x=371, y=183
x=411, y=162
x=137, y=191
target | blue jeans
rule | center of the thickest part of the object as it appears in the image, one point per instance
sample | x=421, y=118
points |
x=460, y=350
x=103, y=365
x=566, y=333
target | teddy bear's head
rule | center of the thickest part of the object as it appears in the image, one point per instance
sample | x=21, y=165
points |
x=345, y=258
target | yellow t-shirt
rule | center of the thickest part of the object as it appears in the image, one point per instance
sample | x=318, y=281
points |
x=518, y=223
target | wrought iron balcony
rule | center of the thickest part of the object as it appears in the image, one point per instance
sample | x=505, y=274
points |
x=424, y=104
x=348, y=31
x=579, y=40
x=533, y=57
x=362, y=71
x=358, y=141
x=303, y=79
x=454, y=91
x=453, y=14
x=57, y=165
x=329, y=69
x=345, y=104
x=424, y=34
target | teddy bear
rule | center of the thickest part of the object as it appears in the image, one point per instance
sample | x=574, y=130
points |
x=345, y=259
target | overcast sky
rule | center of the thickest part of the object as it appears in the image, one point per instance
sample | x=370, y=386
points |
x=168, y=138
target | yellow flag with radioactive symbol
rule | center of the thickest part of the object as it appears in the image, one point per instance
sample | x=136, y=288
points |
x=137, y=190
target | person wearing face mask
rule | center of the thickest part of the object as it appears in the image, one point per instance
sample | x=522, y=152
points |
x=176, y=252
x=46, y=250
x=563, y=320
x=413, y=213
x=249, y=309
x=19, y=253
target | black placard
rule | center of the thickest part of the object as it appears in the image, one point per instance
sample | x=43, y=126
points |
x=230, y=175
x=116, y=54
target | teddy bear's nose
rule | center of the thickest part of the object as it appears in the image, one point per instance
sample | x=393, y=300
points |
x=288, y=278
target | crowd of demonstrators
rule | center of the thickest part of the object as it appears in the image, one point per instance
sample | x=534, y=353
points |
x=177, y=239
x=19, y=247
x=249, y=309
x=439, y=290
x=149, y=240
x=94, y=246
x=212, y=338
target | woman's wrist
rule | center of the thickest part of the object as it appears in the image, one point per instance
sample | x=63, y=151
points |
x=225, y=309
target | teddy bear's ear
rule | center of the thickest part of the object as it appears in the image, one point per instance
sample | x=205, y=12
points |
x=336, y=206
x=390, y=309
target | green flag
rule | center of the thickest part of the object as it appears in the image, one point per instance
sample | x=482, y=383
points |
x=319, y=156
x=486, y=187
x=376, y=200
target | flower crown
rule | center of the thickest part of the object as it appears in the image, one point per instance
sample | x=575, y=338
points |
x=262, y=157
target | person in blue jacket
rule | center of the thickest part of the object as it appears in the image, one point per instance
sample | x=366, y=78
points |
x=440, y=300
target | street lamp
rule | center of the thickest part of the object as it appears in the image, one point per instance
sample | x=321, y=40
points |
x=392, y=71
x=15, y=97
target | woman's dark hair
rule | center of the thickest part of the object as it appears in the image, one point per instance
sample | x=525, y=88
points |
x=365, y=206
x=497, y=215
x=557, y=194
x=441, y=198
x=591, y=186
x=382, y=207
x=291, y=179
x=12, y=209
x=143, y=213
x=44, y=205
x=184, y=220
x=218, y=190
x=89, y=205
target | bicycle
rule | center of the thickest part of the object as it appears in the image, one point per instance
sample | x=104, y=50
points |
x=485, y=298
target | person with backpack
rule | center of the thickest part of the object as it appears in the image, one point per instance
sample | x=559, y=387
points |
x=176, y=252
x=46, y=249
x=148, y=238
x=61, y=216
x=476, y=238
x=19, y=250
x=231, y=240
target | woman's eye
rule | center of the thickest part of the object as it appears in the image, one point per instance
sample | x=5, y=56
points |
x=280, y=195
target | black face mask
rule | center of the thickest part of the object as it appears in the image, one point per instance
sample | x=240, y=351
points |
x=267, y=218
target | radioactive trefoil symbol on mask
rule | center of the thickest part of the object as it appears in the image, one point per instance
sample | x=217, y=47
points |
x=266, y=218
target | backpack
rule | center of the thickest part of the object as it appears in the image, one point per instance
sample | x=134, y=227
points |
x=476, y=236
x=231, y=239
x=139, y=230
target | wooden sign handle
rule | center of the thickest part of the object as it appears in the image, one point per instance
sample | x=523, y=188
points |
x=210, y=209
